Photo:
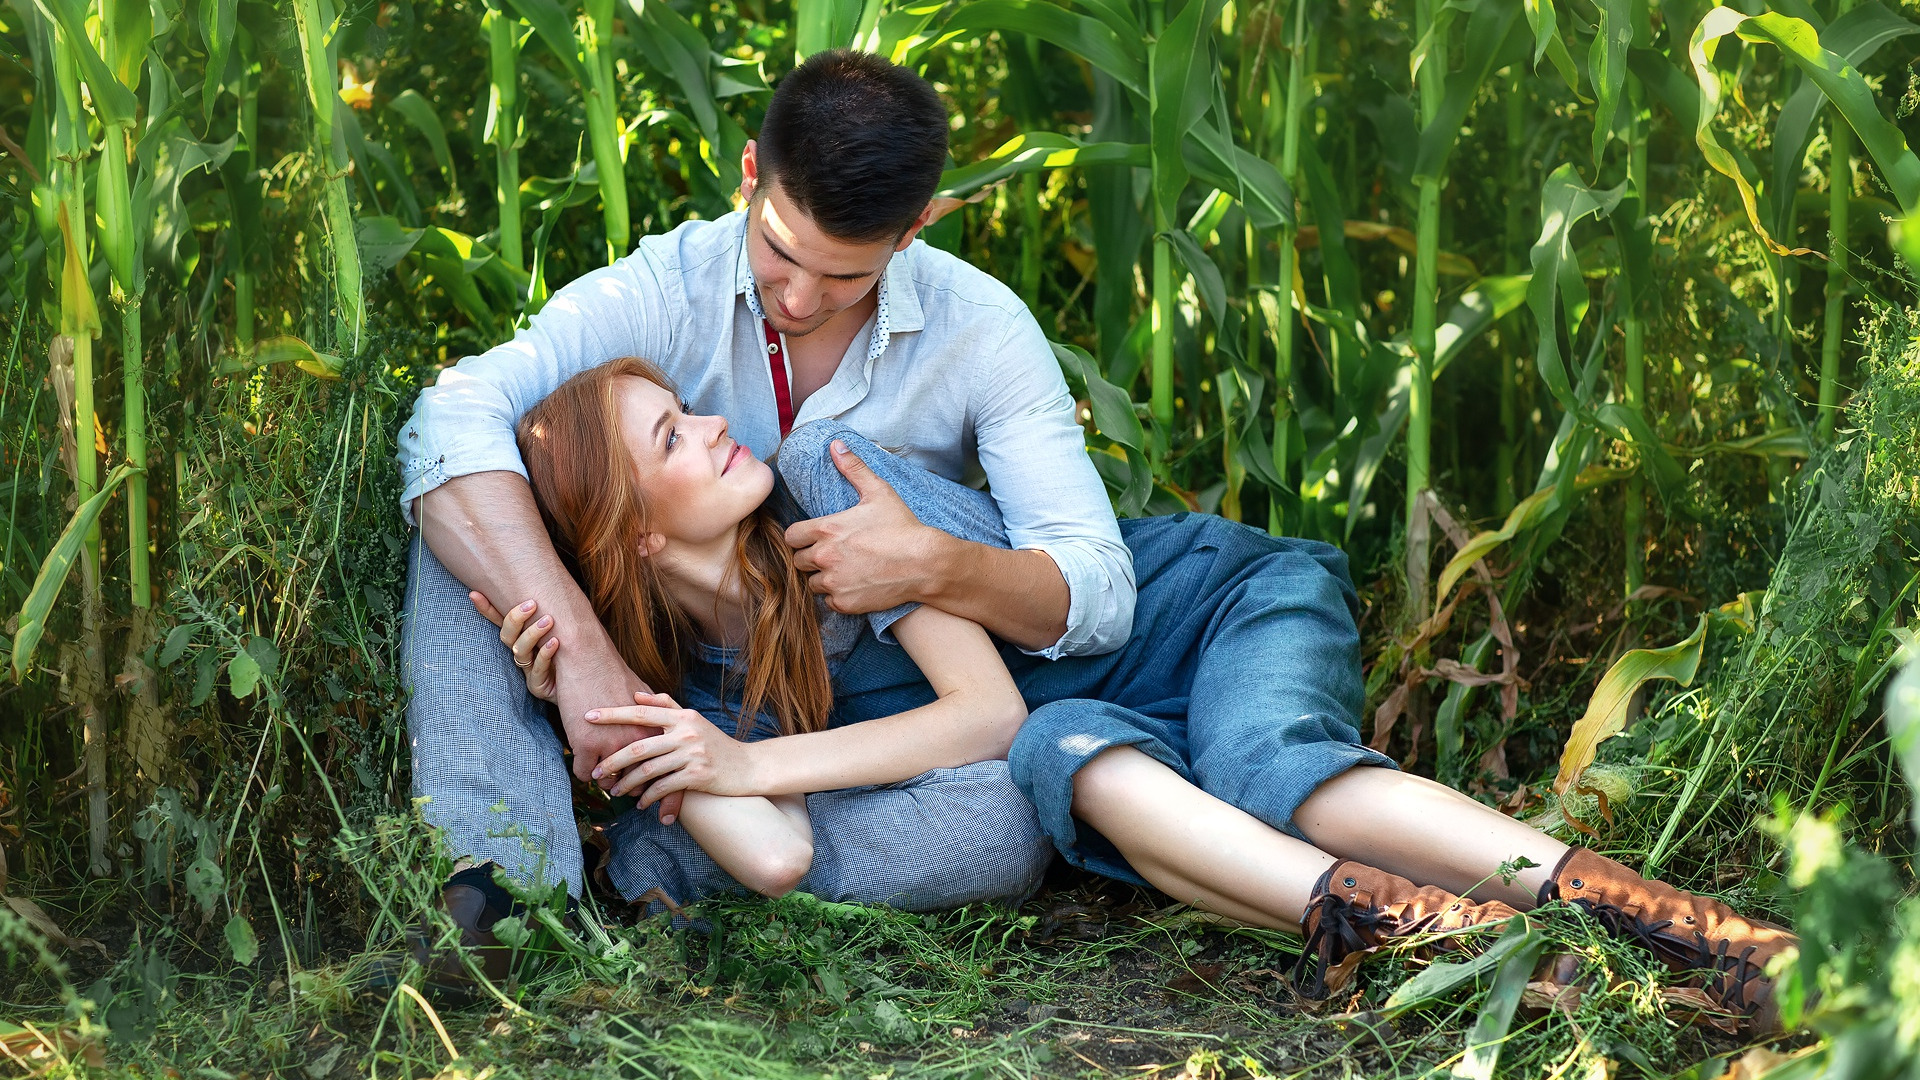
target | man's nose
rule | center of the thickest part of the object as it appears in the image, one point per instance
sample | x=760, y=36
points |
x=801, y=296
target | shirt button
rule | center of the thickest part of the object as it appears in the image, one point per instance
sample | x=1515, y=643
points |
x=772, y=348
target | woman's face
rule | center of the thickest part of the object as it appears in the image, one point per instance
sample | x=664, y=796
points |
x=698, y=483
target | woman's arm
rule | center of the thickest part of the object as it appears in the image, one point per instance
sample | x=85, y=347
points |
x=975, y=717
x=766, y=844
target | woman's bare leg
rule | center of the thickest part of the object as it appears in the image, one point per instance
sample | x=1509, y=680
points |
x=1195, y=847
x=1426, y=832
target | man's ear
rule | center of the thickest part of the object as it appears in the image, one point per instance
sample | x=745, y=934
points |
x=913, y=230
x=749, y=171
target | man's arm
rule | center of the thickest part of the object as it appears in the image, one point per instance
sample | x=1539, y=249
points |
x=877, y=555
x=486, y=530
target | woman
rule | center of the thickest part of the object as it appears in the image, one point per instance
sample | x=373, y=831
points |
x=1213, y=757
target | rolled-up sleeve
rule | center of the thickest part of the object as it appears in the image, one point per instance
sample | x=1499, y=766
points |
x=464, y=423
x=1035, y=458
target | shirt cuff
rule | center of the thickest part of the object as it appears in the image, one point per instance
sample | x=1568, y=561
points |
x=1088, y=600
x=424, y=472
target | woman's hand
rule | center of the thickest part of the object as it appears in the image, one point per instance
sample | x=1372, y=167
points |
x=522, y=633
x=689, y=754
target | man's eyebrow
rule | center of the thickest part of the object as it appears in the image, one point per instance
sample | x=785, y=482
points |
x=780, y=251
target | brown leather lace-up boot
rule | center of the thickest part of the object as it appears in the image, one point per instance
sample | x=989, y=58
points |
x=1686, y=932
x=1357, y=910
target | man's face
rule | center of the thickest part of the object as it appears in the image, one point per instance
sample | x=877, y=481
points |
x=806, y=277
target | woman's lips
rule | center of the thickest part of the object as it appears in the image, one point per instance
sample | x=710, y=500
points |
x=733, y=458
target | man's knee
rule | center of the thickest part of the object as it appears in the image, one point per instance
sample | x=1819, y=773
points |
x=806, y=464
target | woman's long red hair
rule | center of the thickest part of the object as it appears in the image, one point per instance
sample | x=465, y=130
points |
x=598, y=521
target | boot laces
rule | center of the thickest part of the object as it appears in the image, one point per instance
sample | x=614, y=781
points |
x=1342, y=929
x=1732, y=974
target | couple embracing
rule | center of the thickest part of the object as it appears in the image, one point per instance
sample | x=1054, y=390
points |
x=719, y=506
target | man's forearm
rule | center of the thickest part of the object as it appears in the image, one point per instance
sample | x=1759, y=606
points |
x=1019, y=596
x=487, y=531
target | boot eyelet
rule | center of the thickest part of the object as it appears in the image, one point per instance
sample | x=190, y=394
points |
x=1455, y=907
x=1688, y=920
x=1577, y=883
x=1349, y=883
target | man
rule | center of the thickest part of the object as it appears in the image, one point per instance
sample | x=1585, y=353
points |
x=816, y=302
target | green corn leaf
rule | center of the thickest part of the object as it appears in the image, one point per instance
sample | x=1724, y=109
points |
x=1667, y=84
x=678, y=50
x=1031, y=152
x=54, y=570
x=132, y=23
x=416, y=110
x=1629, y=426
x=1440, y=979
x=1124, y=58
x=288, y=349
x=1114, y=417
x=217, y=19
x=1607, y=67
x=1526, y=515
x=1544, y=22
x=1216, y=159
x=549, y=20
x=1606, y=714
x=1207, y=280
x=1118, y=14
x=899, y=30
x=1854, y=37
x=1494, y=39
x=1183, y=75
x=819, y=25
x=112, y=101
x=1557, y=286
x=1837, y=79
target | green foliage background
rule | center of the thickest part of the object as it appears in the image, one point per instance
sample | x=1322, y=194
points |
x=1513, y=272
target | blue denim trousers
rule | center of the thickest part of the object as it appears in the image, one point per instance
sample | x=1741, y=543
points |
x=1242, y=673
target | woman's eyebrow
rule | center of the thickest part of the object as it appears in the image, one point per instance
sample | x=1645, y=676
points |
x=654, y=436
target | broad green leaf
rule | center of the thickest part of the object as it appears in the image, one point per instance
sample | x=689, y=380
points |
x=1564, y=201
x=131, y=22
x=1494, y=39
x=1087, y=38
x=1033, y=151
x=1607, y=67
x=416, y=110
x=266, y=655
x=1439, y=979
x=1631, y=427
x=1114, y=417
x=54, y=570
x=204, y=883
x=1496, y=1012
x=383, y=242
x=243, y=674
x=678, y=50
x=177, y=641
x=241, y=941
x=1837, y=79
x=1215, y=158
x=1606, y=714
x=1667, y=84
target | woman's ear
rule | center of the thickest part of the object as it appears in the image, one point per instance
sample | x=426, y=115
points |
x=651, y=544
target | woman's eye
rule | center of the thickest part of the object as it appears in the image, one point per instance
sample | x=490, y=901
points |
x=673, y=437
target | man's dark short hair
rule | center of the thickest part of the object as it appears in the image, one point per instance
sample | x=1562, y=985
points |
x=856, y=142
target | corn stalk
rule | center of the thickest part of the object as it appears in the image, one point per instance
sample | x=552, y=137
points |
x=1839, y=198
x=314, y=27
x=1299, y=63
x=505, y=126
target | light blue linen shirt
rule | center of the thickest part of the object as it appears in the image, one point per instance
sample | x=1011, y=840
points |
x=952, y=373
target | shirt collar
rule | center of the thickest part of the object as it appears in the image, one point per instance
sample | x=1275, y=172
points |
x=898, y=307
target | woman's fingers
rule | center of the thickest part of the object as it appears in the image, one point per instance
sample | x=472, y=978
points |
x=680, y=780
x=633, y=753
x=541, y=673
x=633, y=779
x=527, y=642
x=485, y=607
x=644, y=715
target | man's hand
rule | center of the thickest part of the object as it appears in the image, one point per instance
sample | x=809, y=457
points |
x=871, y=556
